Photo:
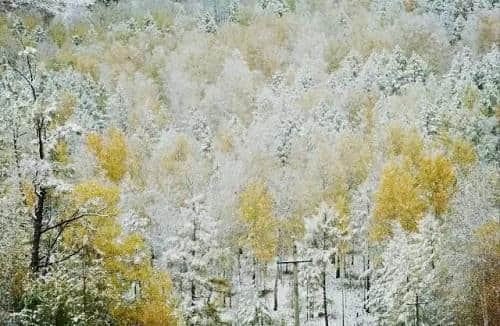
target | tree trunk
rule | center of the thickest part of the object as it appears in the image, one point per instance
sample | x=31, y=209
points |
x=296, y=294
x=40, y=206
x=275, y=308
x=240, y=252
x=37, y=231
x=193, y=292
x=368, y=284
x=337, y=266
x=325, y=303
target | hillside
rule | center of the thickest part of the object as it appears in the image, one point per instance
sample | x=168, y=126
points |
x=249, y=162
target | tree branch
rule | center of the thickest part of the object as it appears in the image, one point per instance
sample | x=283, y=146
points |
x=30, y=82
x=74, y=218
x=64, y=258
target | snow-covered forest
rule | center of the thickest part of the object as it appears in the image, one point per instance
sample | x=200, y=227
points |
x=249, y=162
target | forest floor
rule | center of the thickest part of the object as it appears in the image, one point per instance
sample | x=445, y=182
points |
x=345, y=296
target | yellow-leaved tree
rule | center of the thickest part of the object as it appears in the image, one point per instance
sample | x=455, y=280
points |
x=411, y=184
x=397, y=199
x=111, y=153
x=484, y=307
x=139, y=293
x=256, y=210
x=125, y=259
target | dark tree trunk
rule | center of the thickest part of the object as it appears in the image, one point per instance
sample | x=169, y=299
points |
x=325, y=303
x=240, y=252
x=337, y=267
x=193, y=292
x=37, y=230
x=275, y=308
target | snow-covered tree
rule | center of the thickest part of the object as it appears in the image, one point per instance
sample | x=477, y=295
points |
x=192, y=258
x=321, y=243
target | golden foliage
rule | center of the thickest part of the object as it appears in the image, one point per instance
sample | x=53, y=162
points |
x=136, y=169
x=397, y=199
x=151, y=308
x=334, y=53
x=60, y=153
x=207, y=64
x=413, y=183
x=256, y=209
x=470, y=96
x=484, y=275
x=83, y=63
x=369, y=114
x=125, y=259
x=408, y=144
x=179, y=154
x=111, y=153
x=28, y=191
x=57, y=31
x=32, y=21
x=66, y=108
x=89, y=190
x=225, y=141
x=489, y=33
x=437, y=181
x=463, y=153
x=4, y=30
x=338, y=196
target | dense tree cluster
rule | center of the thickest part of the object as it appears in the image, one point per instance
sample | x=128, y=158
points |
x=259, y=162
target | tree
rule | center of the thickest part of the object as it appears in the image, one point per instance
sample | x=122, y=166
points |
x=49, y=124
x=407, y=269
x=194, y=253
x=321, y=241
x=256, y=215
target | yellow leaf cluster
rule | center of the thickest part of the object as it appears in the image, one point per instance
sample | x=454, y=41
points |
x=256, y=209
x=58, y=34
x=464, y=153
x=151, y=308
x=111, y=152
x=83, y=63
x=225, y=142
x=28, y=191
x=89, y=190
x=66, y=106
x=484, y=276
x=125, y=259
x=177, y=155
x=32, y=21
x=397, y=199
x=470, y=96
x=4, y=31
x=410, y=145
x=412, y=183
x=60, y=153
x=136, y=169
x=437, y=181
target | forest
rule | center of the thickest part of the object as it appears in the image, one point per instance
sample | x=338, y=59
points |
x=249, y=162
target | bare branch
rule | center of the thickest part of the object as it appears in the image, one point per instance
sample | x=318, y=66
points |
x=64, y=258
x=20, y=73
x=74, y=218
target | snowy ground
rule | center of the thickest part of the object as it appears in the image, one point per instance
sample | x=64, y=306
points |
x=354, y=314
